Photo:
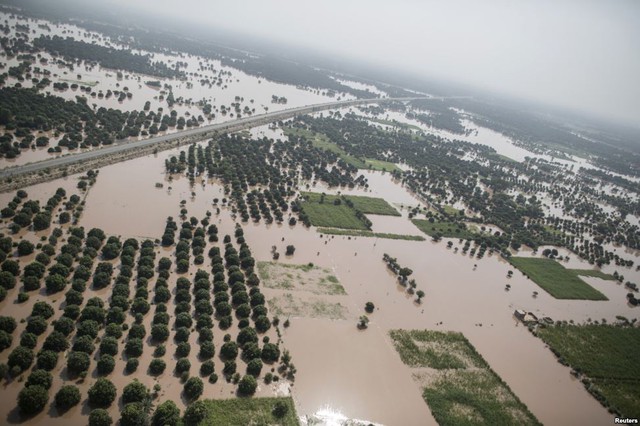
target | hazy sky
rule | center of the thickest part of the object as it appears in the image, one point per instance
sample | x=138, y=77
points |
x=580, y=54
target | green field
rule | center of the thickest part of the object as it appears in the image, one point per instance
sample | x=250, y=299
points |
x=379, y=165
x=359, y=233
x=458, y=385
x=555, y=279
x=248, y=411
x=371, y=205
x=328, y=214
x=445, y=229
x=321, y=141
x=593, y=273
x=607, y=355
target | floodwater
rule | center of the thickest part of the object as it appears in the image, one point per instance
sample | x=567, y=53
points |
x=236, y=86
x=351, y=372
x=357, y=373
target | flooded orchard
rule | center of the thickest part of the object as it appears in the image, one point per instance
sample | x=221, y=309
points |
x=462, y=294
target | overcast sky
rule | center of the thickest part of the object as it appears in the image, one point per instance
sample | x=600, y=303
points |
x=580, y=54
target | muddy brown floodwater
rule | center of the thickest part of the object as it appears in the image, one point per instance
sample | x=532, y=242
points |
x=341, y=369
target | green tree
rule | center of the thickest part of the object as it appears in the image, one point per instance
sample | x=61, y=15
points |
x=68, y=396
x=134, y=414
x=247, y=385
x=135, y=392
x=21, y=357
x=100, y=417
x=102, y=393
x=193, y=388
x=32, y=399
x=166, y=414
x=40, y=378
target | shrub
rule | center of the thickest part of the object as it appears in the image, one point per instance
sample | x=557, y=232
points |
x=106, y=364
x=134, y=392
x=183, y=349
x=207, y=368
x=36, y=325
x=270, y=352
x=157, y=367
x=132, y=365
x=32, y=399
x=134, y=347
x=40, y=378
x=100, y=417
x=84, y=344
x=5, y=340
x=78, y=362
x=102, y=393
x=247, y=385
x=280, y=409
x=29, y=340
x=254, y=367
x=109, y=346
x=47, y=360
x=195, y=413
x=8, y=324
x=133, y=414
x=183, y=365
x=56, y=341
x=193, y=388
x=21, y=357
x=67, y=397
x=167, y=414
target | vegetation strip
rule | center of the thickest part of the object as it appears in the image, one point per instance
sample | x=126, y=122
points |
x=357, y=233
x=459, y=386
x=243, y=411
x=604, y=357
x=555, y=279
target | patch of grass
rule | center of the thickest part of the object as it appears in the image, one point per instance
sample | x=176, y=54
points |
x=380, y=165
x=593, y=273
x=358, y=233
x=286, y=305
x=446, y=351
x=450, y=210
x=372, y=205
x=80, y=82
x=607, y=356
x=555, y=279
x=444, y=229
x=461, y=389
x=310, y=278
x=328, y=214
x=248, y=411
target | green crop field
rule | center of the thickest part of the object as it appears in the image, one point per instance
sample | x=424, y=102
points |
x=555, y=279
x=328, y=214
x=445, y=229
x=593, y=273
x=371, y=205
x=458, y=384
x=607, y=355
x=246, y=411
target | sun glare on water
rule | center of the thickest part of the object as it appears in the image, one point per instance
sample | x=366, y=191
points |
x=328, y=416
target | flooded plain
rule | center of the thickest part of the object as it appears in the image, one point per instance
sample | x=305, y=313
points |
x=343, y=372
